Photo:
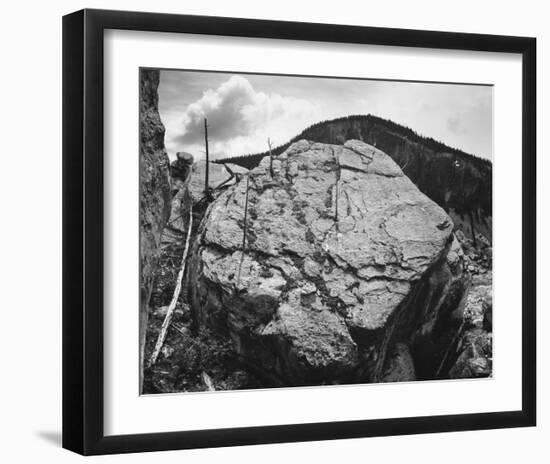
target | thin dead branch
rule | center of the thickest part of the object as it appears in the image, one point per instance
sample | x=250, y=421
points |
x=229, y=179
x=206, y=181
x=175, y=296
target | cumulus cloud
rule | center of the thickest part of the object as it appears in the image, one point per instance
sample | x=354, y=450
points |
x=241, y=118
x=244, y=110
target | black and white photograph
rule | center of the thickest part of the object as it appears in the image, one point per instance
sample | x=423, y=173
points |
x=274, y=232
x=313, y=231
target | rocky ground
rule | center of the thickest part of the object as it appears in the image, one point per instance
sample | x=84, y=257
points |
x=474, y=350
x=187, y=354
x=349, y=274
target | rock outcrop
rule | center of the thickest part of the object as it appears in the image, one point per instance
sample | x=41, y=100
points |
x=155, y=196
x=346, y=264
x=474, y=351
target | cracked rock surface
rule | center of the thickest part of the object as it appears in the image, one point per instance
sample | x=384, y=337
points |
x=339, y=243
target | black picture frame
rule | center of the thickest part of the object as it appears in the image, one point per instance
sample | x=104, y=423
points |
x=83, y=198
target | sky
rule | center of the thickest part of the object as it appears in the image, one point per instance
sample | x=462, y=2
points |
x=244, y=110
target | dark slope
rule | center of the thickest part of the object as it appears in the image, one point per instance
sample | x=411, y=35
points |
x=459, y=182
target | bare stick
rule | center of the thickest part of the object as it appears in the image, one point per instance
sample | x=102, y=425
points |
x=175, y=296
x=206, y=185
x=244, y=233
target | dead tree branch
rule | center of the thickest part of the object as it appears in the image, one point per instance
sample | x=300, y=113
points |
x=206, y=181
x=175, y=296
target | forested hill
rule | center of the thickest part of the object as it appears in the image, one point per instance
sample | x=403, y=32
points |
x=461, y=183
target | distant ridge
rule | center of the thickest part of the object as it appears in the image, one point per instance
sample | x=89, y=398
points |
x=252, y=160
x=459, y=182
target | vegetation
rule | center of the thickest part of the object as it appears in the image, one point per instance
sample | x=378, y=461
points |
x=186, y=353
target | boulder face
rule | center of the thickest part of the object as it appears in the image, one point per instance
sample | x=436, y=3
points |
x=345, y=263
x=155, y=196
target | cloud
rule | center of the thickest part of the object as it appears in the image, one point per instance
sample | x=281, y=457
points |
x=244, y=110
x=240, y=118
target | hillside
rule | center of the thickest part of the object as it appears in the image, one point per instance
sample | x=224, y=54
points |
x=459, y=182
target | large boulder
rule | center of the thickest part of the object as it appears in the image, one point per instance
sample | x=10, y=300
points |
x=155, y=196
x=341, y=252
